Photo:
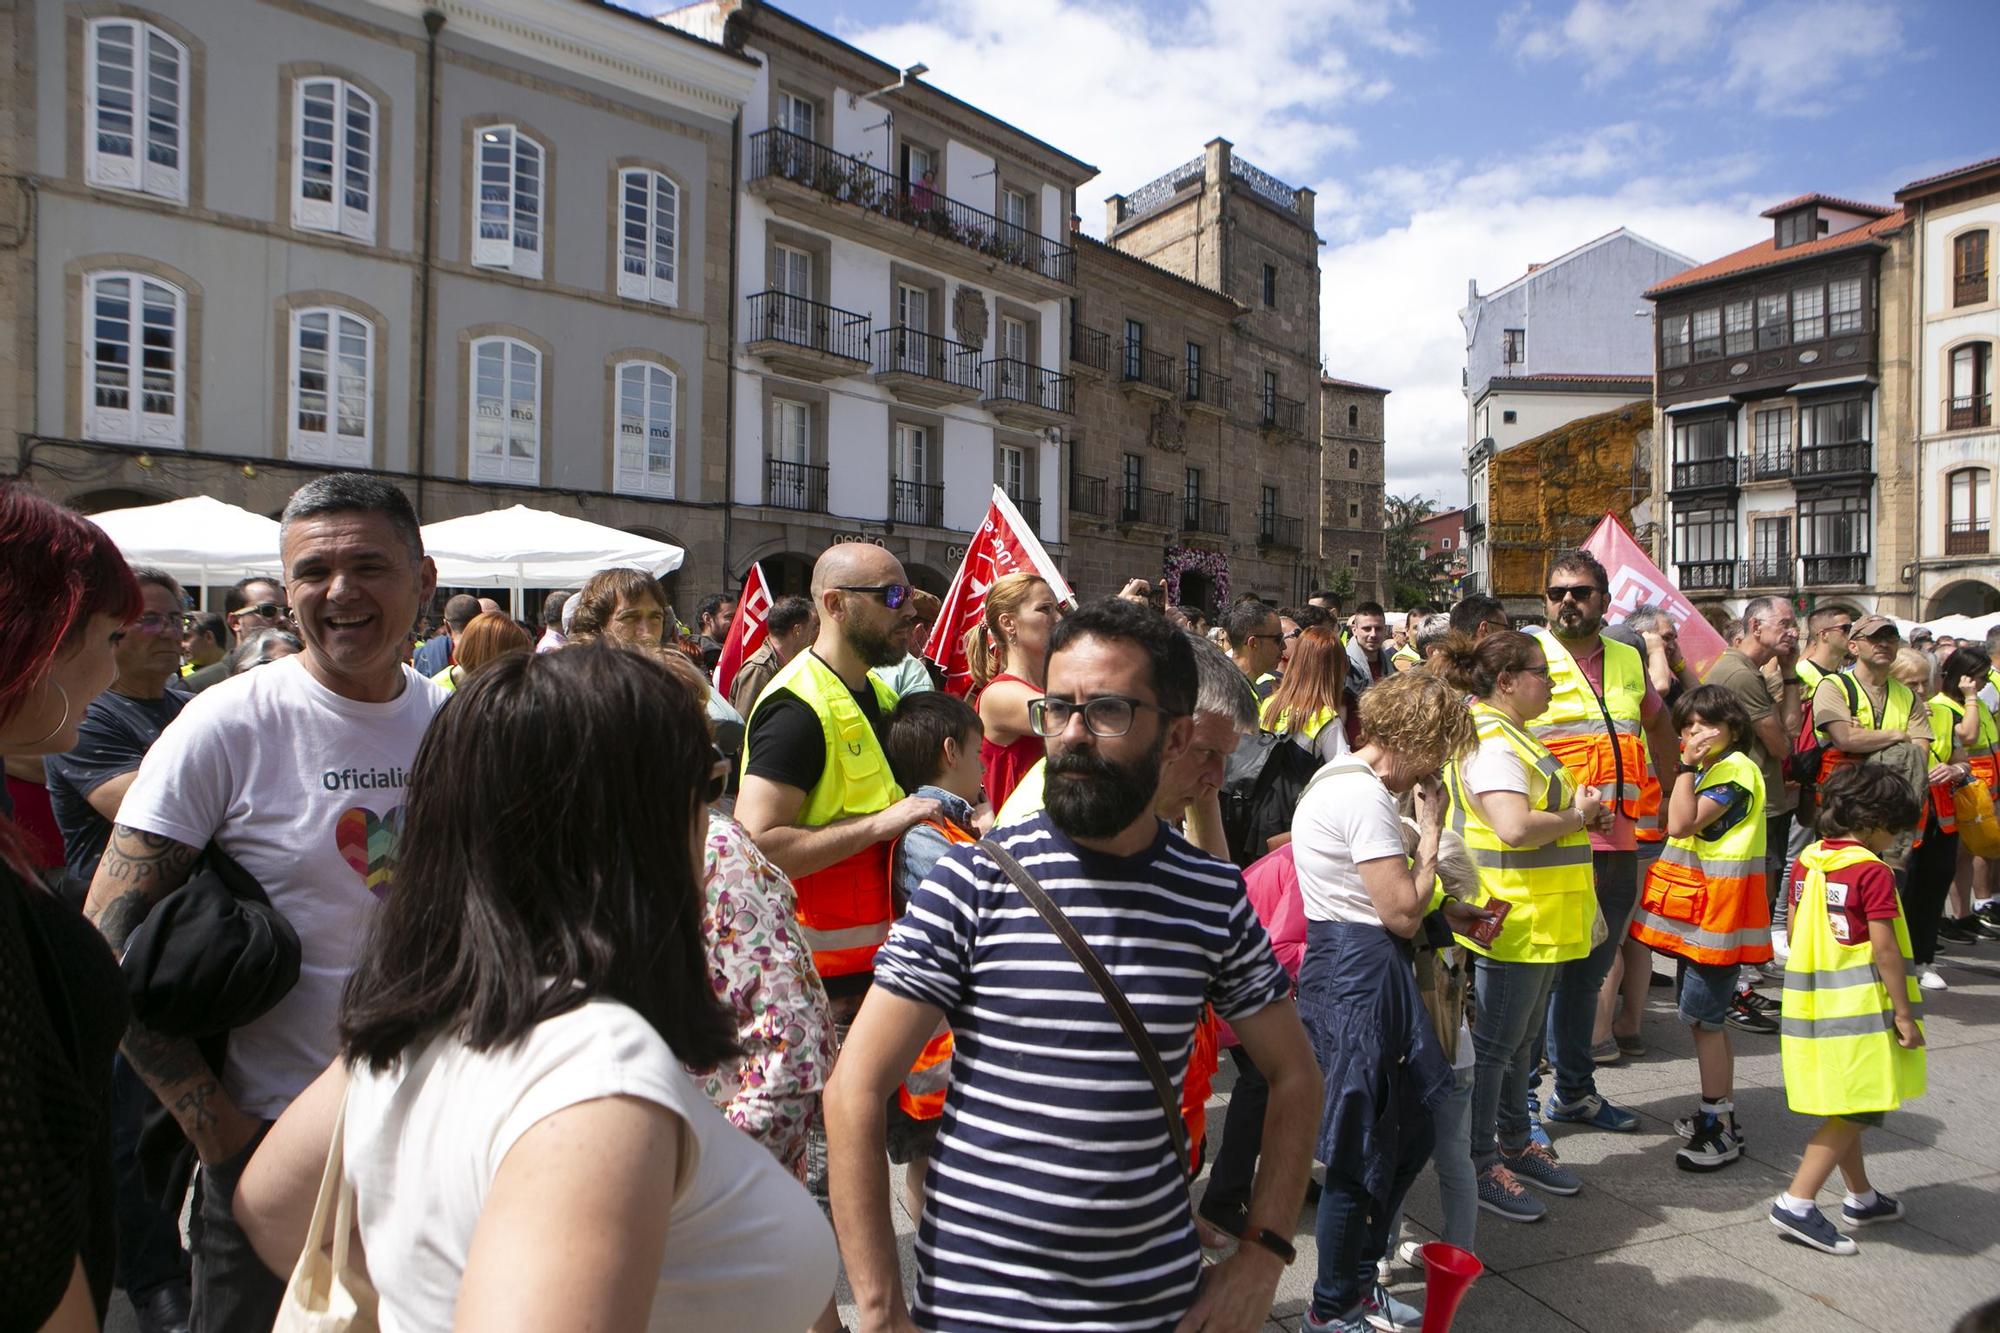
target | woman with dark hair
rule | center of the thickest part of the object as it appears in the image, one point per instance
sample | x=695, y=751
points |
x=515, y=1035
x=65, y=594
x=1306, y=703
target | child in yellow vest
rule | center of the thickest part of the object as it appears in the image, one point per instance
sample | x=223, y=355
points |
x=1853, y=1048
x=1703, y=903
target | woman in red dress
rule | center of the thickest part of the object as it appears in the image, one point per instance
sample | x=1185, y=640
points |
x=1008, y=650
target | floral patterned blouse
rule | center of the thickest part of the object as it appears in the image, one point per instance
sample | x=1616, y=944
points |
x=763, y=972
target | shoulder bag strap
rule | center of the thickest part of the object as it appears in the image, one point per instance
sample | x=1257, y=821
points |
x=1135, y=1030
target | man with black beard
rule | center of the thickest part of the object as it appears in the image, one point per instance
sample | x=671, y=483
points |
x=1056, y=1183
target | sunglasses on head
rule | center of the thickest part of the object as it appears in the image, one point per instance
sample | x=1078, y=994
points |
x=893, y=595
x=1581, y=592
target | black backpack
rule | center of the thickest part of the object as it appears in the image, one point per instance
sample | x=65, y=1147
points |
x=1266, y=776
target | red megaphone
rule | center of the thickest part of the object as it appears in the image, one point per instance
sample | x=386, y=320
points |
x=1448, y=1271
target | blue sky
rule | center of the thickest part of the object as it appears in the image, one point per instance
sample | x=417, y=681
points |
x=1461, y=140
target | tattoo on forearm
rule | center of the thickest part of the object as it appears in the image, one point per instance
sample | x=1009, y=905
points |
x=165, y=1062
x=191, y=1107
x=137, y=870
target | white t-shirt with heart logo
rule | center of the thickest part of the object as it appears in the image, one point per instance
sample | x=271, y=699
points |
x=305, y=789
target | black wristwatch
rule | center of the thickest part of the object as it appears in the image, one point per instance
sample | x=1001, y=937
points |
x=1273, y=1242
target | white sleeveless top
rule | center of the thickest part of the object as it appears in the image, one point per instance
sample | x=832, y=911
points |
x=747, y=1249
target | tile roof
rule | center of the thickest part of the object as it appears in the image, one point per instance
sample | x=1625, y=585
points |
x=1944, y=176
x=1844, y=205
x=1589, y=378
x=1350, y=384
x=1766, y=254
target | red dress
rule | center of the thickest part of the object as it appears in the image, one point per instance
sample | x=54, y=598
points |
x=1002, y=766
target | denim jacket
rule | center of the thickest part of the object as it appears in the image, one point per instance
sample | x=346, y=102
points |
x=919, y=850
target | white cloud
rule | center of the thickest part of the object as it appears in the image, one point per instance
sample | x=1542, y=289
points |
x=1792, y=58
x=1611, y=36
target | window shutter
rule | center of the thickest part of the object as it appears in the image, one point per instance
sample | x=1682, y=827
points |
x=161, y=406
x=528, y=206
x=493, y=235
x=165, y=109
x=113, y=130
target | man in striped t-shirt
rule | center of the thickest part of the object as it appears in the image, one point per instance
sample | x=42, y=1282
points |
x=1055, y=1198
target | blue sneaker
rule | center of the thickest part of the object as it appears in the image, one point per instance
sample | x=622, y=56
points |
x=1813, y=1230
x=1884, y=1209
x=1537, y=1166
x=1536, y=1134
x=1354, y=1321
x=1385, y=1313
x=1594, y=1111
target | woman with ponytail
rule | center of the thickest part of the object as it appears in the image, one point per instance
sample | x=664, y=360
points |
x=1008, y=650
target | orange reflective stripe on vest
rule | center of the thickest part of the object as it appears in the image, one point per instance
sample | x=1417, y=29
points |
x=1703, y=900
x=845, y=910
x=922, y=1092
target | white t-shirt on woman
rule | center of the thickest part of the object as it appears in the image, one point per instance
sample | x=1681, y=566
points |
x=1346, y=817
x=747, y=1249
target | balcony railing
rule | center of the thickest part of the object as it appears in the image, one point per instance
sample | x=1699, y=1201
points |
x=1138, y=365
x=1966, y=413
x=1142, y=504
x=1831, y=460
x=1704, y=474
x=1285, y=414
x=1089, y=347
x=1012, y=381
x=1968, y=537
x=1768, y=571
x=1968, y=289
x=789, y=485
x=1199, y=515
x=782, y=317
x=906, y=351
x=1766, y=464
x=1705, y=575
x=793, y=157
x=1475, y=519
x=1030, y=510
x=1284, y=530
x=1829, y=570
x=1206, y=387
x=916, y=502
x=1086, y=494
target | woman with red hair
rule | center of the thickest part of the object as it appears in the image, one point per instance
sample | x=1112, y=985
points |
x=65, y=596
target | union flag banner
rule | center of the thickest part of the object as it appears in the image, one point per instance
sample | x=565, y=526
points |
x=1004, y=544
x=746, y=630
x=1637, y=581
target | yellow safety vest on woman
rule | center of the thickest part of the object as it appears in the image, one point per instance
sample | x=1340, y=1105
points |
x=1552, y=887
x=847, y=907
x=1573, y=725
x=1838, y=1026
x=1271, y=719
x=1703, y=900
x=1984, y=752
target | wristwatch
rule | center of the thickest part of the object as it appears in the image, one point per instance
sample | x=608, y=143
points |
x=1273, y=1242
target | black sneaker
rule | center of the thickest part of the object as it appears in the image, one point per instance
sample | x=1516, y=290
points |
x=1959, y=931
x=1988, y=912
x=1980, y=926
x=1763, y=1004
x=1711, y=1147
x=1686, y=1125
x=1745, y=1017
x=1884, y=1209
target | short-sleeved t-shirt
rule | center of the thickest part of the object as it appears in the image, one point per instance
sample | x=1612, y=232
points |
x=787, y=741
x=1854, y=896
x=1829, y=704
x=1345, y=817
x=1623, y=836
x=1735, y=672
x=1054, y=1192
x=116, y=732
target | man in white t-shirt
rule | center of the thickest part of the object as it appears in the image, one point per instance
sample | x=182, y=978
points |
x=297, y=771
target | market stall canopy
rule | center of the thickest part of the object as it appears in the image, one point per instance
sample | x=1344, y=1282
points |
x=199, y=540
x=533, y=548
x=1963, y=627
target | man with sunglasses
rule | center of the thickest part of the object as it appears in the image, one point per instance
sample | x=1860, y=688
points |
x=1608, y=725
x=1256, y=643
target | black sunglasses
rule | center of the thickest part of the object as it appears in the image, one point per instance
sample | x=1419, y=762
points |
x=893, y=595
x=268, y=610
x=1582, y=592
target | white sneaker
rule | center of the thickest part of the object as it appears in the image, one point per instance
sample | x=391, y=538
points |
x=1928, y=978
x=1410, y=1254
x=1781, y=948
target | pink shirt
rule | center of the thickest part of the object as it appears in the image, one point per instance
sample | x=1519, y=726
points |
x=1273, y=884
x=1623, y=836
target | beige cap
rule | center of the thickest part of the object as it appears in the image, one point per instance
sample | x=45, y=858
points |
x=1869, y=626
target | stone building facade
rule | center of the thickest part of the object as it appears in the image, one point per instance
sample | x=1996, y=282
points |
x=1548, y=494
x=1352, y=481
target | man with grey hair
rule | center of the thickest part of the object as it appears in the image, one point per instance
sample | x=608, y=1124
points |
x=297, y=771
x=1651, y=629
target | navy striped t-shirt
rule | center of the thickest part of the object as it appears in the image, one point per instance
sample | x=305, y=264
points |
x=1053, y=1199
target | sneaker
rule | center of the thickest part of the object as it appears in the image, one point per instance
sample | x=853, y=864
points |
x=1631, y=1047
x=1929, y=979
x=1606, y=1052
x=1410, y=1254
x=1745, y=1017
x=1711, y=1147
x=1685, y=1126
x=1958, y=931
x=1884, y=1209
x=1382, y=1311
x=1763, y=1004
x=1595, y=1112
x=1354, y=1321
x=1988, y=911
x=1501, y=1191
x=1981, y=927
x=1536, y=1134
x=1813, y=1229
x=1538, y=1166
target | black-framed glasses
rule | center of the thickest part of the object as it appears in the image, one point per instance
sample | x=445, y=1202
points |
x=1542, y=671
x=718, y=776
x=1843, y=627
x=1105, y=716
x=1581, y=592
x=893, y=595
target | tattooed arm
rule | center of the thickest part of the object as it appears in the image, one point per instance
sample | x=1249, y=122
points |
x=139, y=869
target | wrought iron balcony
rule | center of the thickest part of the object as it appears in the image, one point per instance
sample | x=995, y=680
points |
x=1146, y=369
x=1769, y=571
x=1086, y=494
x=916, y=502
x=1968, y=537
x=789, y=485
x=1968, y=413
x=1199, y=515
x=1089, y=347
x=1142, y=504
x=1475, y=519
x=780, y=154
x=1015, y=384
x=1968, y=288
x=1824, y=571
x=1274, y=529
x=1705, y=575
x=1833, y=460
x=806, y=338
x=1705, y=474
x=1205, y=388
x=1031, y=509
x=1284, y=414
x=923, y=368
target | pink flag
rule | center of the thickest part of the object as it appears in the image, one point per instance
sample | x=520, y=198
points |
x=746, y=630
x=1636, y=580
x=1004, y=544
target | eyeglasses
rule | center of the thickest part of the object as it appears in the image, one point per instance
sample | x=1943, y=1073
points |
x=266, y=610
x=718, y=776
x=1291, y=634
x=1106, y=716
x=893, y=595
x=155, y=623
x=1542, y=671
x=1581, y=592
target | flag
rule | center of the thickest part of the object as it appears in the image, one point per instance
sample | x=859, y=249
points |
x=1636, y=580
x=1004, y=544
x=746, y=629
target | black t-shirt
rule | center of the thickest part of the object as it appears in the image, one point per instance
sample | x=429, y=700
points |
x=788, y=743
x=115, y=734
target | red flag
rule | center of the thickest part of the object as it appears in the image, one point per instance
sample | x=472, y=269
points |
x=1636, y=580
x=1004, y=544
x=746, y=630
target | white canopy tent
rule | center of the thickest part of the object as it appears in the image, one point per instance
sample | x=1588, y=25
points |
x=199, y=540
x=521, y=548
x=1963, y=627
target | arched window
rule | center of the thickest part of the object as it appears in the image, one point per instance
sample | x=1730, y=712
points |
x=333, y=158
x=1353, y=416
x=331, y=416
x=1968, y=511
x=506, y=411
x=1353, y=459
x=135, y=108
x=644, y=429
x=511, y=179
x=135, y=342
x=649, y=229
x=1971, y=404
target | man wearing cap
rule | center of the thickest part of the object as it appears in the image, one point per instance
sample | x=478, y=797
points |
x=1868, y=716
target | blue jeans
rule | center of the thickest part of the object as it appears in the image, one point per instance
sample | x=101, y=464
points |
x=1573, y=1001
x=149, y=1230
x=1458, y=1182
x=1513, y=1001
x=1352, y=1233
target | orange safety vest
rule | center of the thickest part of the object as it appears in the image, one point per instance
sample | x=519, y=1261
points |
x=1704, y=898
x=922, y=1092
x=1651, y=824
x=1614, y=760
x=1204, y=1056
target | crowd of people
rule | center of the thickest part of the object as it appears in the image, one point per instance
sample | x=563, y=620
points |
x=601, y=988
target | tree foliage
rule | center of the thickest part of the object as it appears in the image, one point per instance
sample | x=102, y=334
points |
x=1408, y=575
